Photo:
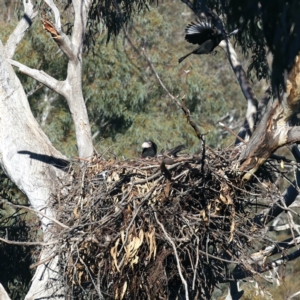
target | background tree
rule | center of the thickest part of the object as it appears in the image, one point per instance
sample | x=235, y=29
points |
x=41, y=165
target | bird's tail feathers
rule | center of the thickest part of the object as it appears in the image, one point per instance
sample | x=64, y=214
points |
x=184, y=57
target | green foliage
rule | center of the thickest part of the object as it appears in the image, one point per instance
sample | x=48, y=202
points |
x=114, y=14
x=125, y=102
x=273, y=24
x=206, y=83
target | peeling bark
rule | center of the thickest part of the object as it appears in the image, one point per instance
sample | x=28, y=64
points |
x=274, y=131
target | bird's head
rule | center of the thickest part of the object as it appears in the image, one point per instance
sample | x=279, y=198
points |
x=149, y=149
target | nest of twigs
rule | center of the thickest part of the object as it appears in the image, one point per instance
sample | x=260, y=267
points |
x=160, y=228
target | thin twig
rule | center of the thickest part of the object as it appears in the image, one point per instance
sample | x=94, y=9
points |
x=232, y=132
x=176, y=256
x=37, y=212
x=181, y=105
x=41, y=262
x=28, y=243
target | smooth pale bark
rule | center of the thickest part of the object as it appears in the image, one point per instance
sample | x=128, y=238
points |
x=72, y=87
x=29, y=160
x=3, y=294
x=26, y=154
x=20, y=30
x=252, y=104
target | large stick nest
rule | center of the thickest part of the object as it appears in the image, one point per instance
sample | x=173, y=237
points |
x=156, y=228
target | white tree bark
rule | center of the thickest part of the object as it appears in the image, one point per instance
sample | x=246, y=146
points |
x=29, y=160
x=3, y=294
x=71, y=87
x=26, y=154
x=19, y=32
x=252, y=104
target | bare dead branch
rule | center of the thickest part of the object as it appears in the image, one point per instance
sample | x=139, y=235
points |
x=28, y=243
x=181, y=105
x=293, y=295
x=289, y=196
x=61, y=39
x=176, y=255
x=275, y=249
x=282, y=227
x=37, y=212
x=56, y=13
x=41, y=262
x=232, y=132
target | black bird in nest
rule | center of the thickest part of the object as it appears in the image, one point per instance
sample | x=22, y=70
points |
x=150, y=150
x=205, y=35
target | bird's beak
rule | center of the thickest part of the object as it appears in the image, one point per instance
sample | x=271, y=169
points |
x=146, y=145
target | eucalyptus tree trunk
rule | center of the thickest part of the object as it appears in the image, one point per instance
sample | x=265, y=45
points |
x=26, y=154
x=29, y=159
x=71, y=87
x=274, y=129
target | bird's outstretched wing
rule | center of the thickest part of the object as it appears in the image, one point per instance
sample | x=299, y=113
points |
x=198, y=33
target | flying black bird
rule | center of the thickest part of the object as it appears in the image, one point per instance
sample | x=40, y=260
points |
x=205, y=35
x=149, y=149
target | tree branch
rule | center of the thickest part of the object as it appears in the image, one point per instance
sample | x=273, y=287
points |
x=181, y=105
x=19, y=32
x=293, y=135
x=56, y=13
x=289, y=196
x=81, y=9
x=239, y=273
x=275, y=249
x=37, y=212
x=61, y=40
x=40, y=76
x=176, y=256
x=252, y=103
x=28, y=243
x=3, y=293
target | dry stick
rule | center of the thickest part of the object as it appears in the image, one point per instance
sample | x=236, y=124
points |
x=37, y=212
x=97, y=288
x=28, y=243
x=197, y=261
x=154, y=175
x=41, y=262
x=293, y=296
x=135, y=214
x=176, y=256
x=232, y=132
x=181, y=105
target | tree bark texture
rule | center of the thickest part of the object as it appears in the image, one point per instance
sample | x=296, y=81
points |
x=274, y=130
x=29, y=160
